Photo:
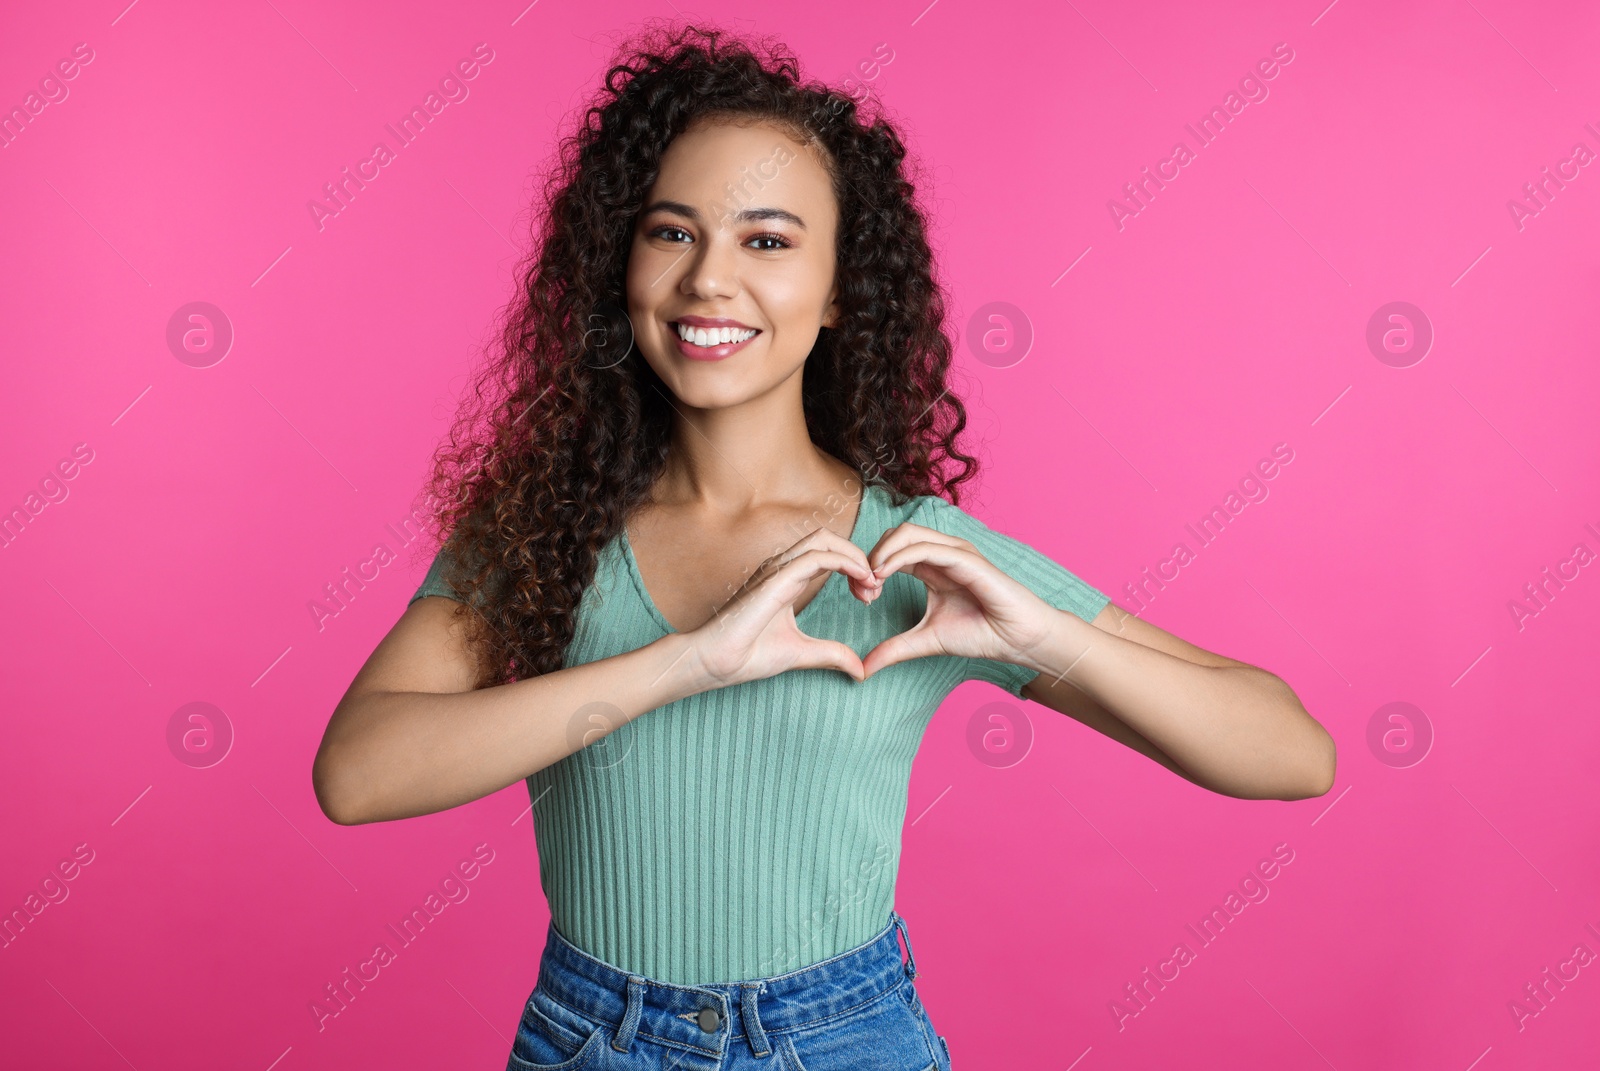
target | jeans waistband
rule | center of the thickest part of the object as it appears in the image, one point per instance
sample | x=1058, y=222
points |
x=707, y=1017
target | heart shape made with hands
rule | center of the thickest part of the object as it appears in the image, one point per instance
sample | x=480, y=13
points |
x=973, y=608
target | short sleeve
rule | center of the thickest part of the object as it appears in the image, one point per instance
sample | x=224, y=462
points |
x=434, y=583
x=1052, y=582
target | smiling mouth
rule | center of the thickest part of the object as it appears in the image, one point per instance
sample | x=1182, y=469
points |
x=712, y=337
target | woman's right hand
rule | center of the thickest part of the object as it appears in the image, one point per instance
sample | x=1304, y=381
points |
x=753, y=635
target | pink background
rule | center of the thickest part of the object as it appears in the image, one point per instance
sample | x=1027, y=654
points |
x=1229, y=315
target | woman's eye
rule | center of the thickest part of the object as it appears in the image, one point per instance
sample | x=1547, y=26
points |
x=783, y=243
x=666, y=231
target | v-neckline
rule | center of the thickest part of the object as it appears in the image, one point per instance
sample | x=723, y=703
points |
x=661, y=619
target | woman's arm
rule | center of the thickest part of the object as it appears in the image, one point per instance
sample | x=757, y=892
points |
x=1225, y=725
x=412, y=737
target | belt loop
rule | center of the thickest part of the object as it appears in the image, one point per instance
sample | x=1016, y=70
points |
x=630, y=1017
x=905, y=934
x=752, y=1019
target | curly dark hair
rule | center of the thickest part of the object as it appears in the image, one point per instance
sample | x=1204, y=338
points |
x=558, y=441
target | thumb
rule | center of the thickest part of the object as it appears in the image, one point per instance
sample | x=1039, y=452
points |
x=831, y=654
x=916, y=642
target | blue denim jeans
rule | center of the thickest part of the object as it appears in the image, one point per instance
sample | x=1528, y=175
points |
x=857, y=1011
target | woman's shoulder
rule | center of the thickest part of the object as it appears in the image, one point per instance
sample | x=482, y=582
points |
x=931, y=511
x=942, y=515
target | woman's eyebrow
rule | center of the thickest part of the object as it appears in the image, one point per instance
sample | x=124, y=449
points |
x=691, y=213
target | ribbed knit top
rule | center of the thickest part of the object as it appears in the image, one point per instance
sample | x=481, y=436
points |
x=752, y=830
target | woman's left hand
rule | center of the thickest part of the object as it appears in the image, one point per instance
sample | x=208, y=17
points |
x=974, y=610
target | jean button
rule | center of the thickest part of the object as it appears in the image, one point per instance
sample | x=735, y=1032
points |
x=709, y=1020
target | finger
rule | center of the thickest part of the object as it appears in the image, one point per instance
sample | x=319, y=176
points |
x=905, y=534
x=827, y=539
x=831, y=654
x=962, y=565
x=806, y=566
x=784, y=586
x=817, y=560
x=818, y=539
x=911, y=644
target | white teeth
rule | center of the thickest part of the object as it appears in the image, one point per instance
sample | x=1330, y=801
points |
x=712, y=336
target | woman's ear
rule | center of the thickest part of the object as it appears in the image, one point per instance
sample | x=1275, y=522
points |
x=830, y=315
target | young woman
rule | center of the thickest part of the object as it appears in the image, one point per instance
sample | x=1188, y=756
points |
x=706, y=582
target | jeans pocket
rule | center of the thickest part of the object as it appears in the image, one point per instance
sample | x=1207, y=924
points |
x=552, y=1037
x=938, y=1051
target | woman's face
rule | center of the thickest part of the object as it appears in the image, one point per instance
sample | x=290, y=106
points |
x=739, y=226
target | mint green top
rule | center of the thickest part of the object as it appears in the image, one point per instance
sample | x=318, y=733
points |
x=752, y=830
